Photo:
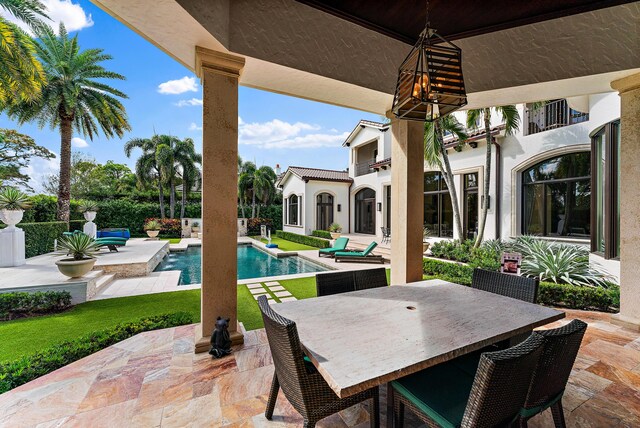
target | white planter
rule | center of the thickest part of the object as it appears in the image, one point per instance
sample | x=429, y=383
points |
x=11, y=217
x=153, y=233
x=75, y=268
x=425, y=246
x=335, y=235
x=90, y=215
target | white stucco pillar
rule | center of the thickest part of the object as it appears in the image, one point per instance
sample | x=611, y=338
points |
x=219, y=74
x=407, y=200
x=629, y=89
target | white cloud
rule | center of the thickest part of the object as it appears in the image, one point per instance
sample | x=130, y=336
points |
x=189, y=103
x=194, y=127
x=79, y=143
x=277, y=134
x=39, y=169
x=71, y=14
x=179, y=86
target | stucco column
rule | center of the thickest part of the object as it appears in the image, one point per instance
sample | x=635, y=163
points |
x=629, y=89
x=219, y=74
x=407, y=200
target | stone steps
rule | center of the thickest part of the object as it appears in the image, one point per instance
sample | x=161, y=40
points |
x=104, y=280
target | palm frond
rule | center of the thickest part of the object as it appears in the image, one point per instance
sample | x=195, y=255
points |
x=510, y=117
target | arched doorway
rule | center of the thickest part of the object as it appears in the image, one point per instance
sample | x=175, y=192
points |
x=324, y=211
x=365, y=211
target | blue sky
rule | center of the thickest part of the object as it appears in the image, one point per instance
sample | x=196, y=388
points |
x=274, y=128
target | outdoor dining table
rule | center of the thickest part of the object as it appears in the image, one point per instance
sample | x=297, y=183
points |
x=366, y=338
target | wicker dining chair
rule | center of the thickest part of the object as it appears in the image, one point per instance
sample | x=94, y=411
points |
x=370, y=278
x=445, y=396
x=550, y=379
x=334, y=283
x=518, y=287
x=303, y=386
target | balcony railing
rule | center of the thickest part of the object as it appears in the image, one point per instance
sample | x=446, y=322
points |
x=364, y=168
x=552, y=115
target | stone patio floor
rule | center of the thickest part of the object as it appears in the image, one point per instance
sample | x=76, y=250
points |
x=154, y=379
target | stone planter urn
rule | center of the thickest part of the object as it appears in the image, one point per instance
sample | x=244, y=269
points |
x=75, y=268
x=335, y=235
x=425, y=246
x=153, y=233
x=11, y=218
x=90, y=215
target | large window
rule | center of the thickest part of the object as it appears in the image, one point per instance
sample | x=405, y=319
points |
x=471, y=205
x=438, y=213
x=557, y=197
x=605, y=146
x=324, y=211
x=292, y=209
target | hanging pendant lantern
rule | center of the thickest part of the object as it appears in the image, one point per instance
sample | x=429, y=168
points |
x=430, y=82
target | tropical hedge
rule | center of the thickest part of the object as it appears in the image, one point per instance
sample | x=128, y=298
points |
x=39, y=237
x=22, y=304
x=303, y=239
x=322, y=234
x=28, y=368
x=549, y=293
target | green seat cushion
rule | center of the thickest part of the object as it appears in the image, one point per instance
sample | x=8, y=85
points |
x=440, y=392
x=109, y=241
x=349, y=254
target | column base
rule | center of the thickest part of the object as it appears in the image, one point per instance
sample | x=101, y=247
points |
x=203, y=344
x=626, y=322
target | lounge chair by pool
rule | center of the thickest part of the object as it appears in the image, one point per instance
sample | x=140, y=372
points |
x=339, y=245
x=112, y=243
x=359, y=256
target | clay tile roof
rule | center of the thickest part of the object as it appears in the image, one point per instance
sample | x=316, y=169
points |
x=473, y=135
x=382, y=163
x=320, y=174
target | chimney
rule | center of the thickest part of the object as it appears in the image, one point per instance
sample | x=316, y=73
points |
x=277, y=169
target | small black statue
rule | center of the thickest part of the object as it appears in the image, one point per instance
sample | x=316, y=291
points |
x=220, y=340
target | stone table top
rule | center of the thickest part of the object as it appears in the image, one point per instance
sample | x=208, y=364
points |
x=366, y=338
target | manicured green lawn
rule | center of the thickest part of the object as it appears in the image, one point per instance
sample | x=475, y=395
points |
x=285, y=245
x=26, y=336
x=172, y=240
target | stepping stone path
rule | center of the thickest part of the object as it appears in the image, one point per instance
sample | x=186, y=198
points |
x=281, y=294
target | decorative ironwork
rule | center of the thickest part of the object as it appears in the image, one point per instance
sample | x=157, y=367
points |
x=430, y=81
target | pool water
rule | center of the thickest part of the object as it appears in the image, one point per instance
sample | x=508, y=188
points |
x=252, y=263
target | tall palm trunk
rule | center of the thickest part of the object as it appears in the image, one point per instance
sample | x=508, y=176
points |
x=161, y=197
x=253, y=205
x=64, y=185
x=172, y=199
x=184, y=197
x=487, y=178
x=448, y=178
x=242, y=206
x=258, y=213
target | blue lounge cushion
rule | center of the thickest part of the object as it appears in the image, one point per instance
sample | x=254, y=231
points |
x=115, y=233
x=440, y=392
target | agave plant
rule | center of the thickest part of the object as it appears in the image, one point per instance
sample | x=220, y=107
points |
x=335, y=228
x=79, y=246
x=152, y=225
x=559, y=263
x=13, y=199
x=87, y=206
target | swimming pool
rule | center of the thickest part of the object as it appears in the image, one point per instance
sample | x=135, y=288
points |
x=252, y=263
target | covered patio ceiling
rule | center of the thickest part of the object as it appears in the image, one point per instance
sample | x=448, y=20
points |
x=454, y=19
x=513, y=52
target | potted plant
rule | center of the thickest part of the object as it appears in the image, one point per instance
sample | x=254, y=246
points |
x=195, y=227
x=426, y=232
x=88, y=210
x=152, y=227
x=335, y=229
x=12, y=205
x=81, y=248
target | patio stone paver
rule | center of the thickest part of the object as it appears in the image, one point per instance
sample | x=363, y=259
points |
x=250, y=286
x=282, y=294
x=257, y=290
x=277, y=288
x=288, y=299
x=272, y=283
x=154, y=379
x=255, y=296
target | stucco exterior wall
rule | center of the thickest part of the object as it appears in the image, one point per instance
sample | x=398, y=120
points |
x=293, y=186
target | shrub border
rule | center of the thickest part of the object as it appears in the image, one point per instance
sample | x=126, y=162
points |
x=303, y=239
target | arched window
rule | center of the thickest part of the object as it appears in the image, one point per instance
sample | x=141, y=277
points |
x=293, y=210
x=324, y=211
x=365, y=211
x=557, y=197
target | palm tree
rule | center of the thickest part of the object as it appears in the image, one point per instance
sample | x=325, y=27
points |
x=511, y=118
x=245, y=186
x=147, y=167
x=240, y=190
x=187, y=159
x=21, y=74
x=73, y=99
x=264, y=185
x=435, y=154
